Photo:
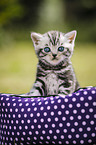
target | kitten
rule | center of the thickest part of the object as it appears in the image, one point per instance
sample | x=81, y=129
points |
x=55, y=74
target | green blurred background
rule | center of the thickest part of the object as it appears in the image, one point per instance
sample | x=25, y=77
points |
x=18, y=18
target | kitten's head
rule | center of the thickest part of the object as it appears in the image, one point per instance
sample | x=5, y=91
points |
x=54, y=47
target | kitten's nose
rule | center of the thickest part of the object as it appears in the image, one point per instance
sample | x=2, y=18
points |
x=54, y=55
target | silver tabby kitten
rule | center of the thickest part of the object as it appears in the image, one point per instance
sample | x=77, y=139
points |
x=55, y=74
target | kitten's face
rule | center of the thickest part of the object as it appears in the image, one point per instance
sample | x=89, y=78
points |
x=54, y=47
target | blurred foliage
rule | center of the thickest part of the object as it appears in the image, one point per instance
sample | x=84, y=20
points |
x=19, y=17
x=81, y=15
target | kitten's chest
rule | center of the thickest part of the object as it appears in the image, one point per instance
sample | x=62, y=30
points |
x=52, y=83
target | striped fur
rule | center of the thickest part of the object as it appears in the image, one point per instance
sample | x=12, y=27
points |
x=55, y=74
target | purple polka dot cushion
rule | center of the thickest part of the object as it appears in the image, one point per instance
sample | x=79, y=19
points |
x=49, y=120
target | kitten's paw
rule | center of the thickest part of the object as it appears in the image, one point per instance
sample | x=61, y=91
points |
x=62, y=95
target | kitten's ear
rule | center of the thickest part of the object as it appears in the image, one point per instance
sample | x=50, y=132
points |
x=35, y=37
x=71, y=36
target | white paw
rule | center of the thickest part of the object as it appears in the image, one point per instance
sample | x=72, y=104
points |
x=62, y=95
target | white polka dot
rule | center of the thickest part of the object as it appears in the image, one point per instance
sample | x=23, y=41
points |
x=46, y=125
x=26, y=127
x=42, y=120
x=57, y=131
x=77, y=94
x=32, y=126
x=74, y=142
x=80, y=129
x=83, y=123
x=31, y=115
x=85, y=93
x=24, y=133
x=63, y=118
x=39, y=126
x=53, y=125
x=52, y=113
x=19, y=115
x=68, y=124
x=25, y=115
x=63, y=106
x=66, y=100
x=82, y=110
x=93, y=92
x=76, y=123
x=14, y=104
x=59, y=101
x=38, y=114
x=91, y=110
x=67, y=142
x=62, y=136
x=28, y=121
x=35, y=109
x=79, y=117
x=22, y=110
x=20, y=127
x=39, y=103
x=70, y=105
x=78, y=105
x=41, y=108
x=92, y=122
x=94, y=115
x=43, y=131
x=81, y=98
x=45, y=113
x=48, y=107
x=33, y=104
x=81, y=141
x=52, y=102
x=48, y=137
x=72, y=130
x=75, y=111
x=94, y=103
x=46, y=102
x=20, y=104
x=77, y=136
x=59, y=112
x=56, y=119
x=66, y=112
x=88, y=128
x=69, y=136
x=71, y=117
x=50, y=131
x=73, y=99
x=55, y=107
x=27, y=104
x=87, y=116
x=86, y=104
x=22, y=121
x=90, y=98
x=93, y=135
x=60, y=124
x=55, y=137
x=85, y=135
x=49, y=119
x=65, y=130
x=89, y=141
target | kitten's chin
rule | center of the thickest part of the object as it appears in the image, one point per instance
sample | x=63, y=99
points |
x=55, y=62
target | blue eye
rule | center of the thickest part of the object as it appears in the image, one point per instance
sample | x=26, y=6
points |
x=61, y=48
x=47, y=49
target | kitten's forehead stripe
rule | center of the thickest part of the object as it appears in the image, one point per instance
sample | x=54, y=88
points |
x=54, y=37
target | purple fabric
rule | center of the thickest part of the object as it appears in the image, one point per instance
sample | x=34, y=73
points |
x=49, y=120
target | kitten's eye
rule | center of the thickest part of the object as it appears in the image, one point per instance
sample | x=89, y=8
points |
x=61, y=48
x=47, y=49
